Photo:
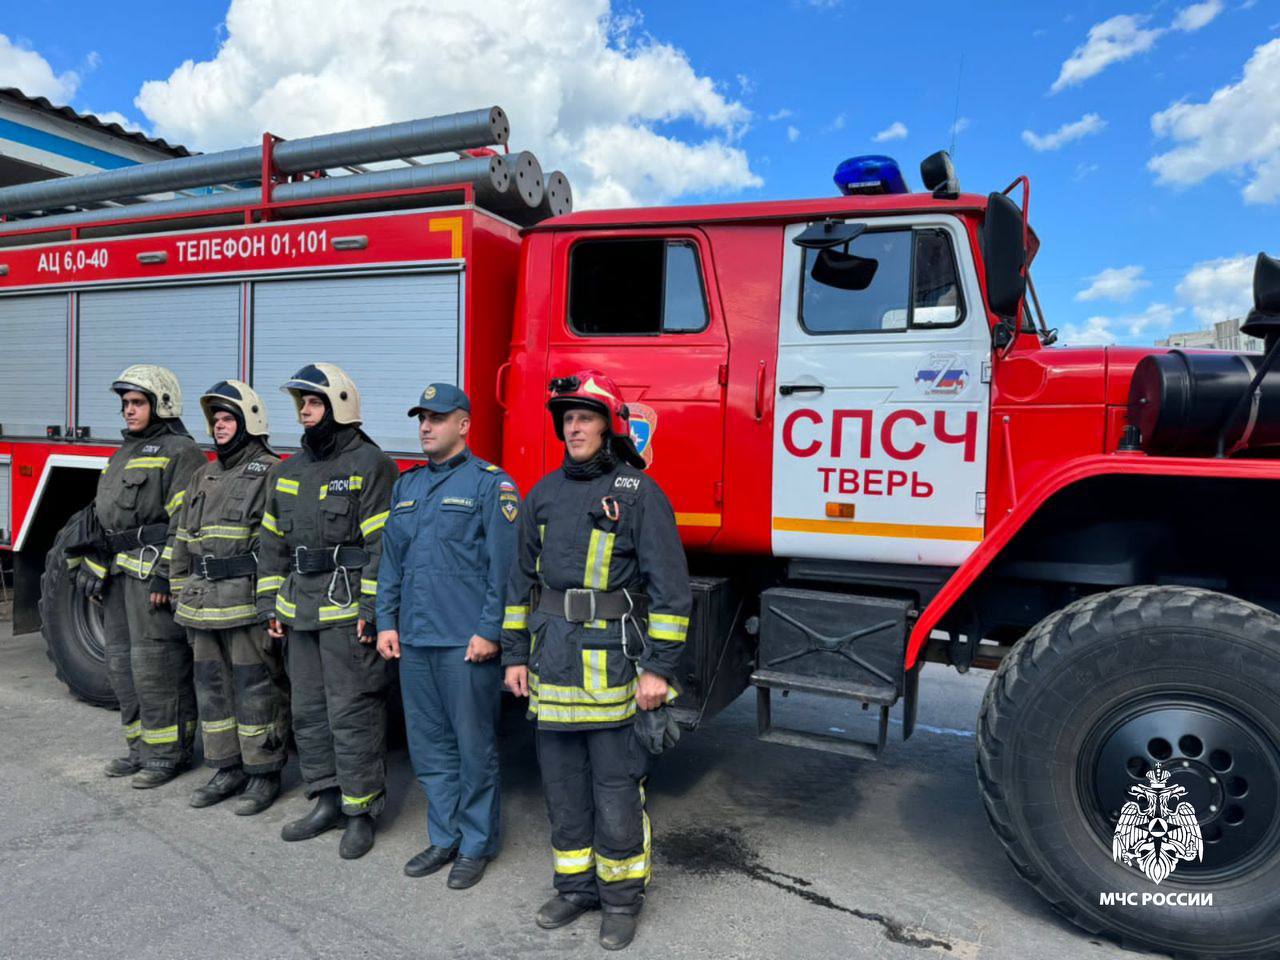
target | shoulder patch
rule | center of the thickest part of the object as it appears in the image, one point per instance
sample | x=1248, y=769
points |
x=257, y=467
x=625, y=482
x=507, y=485
x=510, y=510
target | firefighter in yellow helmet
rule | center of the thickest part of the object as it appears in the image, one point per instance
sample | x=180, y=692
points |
x=597, y=612
x=126, y=569
x=317, y=582
x=239, y=673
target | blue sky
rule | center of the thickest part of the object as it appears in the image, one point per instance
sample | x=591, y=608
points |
x=1149, y=196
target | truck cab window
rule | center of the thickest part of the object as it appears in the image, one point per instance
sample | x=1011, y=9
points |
x=885, y=280
x=637, y=287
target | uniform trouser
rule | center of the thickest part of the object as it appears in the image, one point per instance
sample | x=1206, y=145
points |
x=243, y=696
x=593, y=781
x=340, y=715
x=450, y=717
x=149, y=667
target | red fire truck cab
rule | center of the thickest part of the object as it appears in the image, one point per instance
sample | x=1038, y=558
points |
x=877, y=457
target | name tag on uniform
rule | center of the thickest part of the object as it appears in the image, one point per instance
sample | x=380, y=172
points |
x=467, y=502
x=257, y=466
x=405, y=504
x=151, y=448
x=626, y=483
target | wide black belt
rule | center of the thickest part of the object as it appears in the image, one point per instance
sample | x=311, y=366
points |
x=582, y=605
x=151, y=535
x=327, y=559
x=226, y=568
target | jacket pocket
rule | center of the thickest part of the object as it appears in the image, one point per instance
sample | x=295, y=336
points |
x=337, y=520
x=133, y=482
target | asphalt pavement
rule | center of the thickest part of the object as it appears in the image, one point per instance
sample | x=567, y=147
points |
x=761, y=850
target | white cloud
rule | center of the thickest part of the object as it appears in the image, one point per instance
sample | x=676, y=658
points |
x=1110, y=41
x=780, y=114
x=960, y=126
x=1089, y=124
x=793, y=134
x=895, y=131
x=1236, y=130
x=1114, y=283
x=1197, y=15
x=583, y=92
x=836, y=124
x=1084, y=169
x=114, y=116
x=25, y=69
x=1108, y=330
x=1218, y=289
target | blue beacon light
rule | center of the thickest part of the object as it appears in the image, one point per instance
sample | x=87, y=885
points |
x=869, y=175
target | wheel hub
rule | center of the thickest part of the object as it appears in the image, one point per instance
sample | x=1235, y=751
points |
x=1229, y=772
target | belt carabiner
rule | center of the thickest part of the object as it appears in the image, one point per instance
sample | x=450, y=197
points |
x=346, y=582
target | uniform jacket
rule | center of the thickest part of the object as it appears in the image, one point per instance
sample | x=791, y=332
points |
x=579, y=676
x=318, y=504
x=220, y=518
x=446, y=553
x=144, y=483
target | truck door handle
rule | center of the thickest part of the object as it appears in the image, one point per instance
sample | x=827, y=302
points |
x=787, y=389
x=760, y=378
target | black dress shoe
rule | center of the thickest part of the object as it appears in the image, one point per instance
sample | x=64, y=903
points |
x=559, y=912
x=357, y=839
x=226, y=783
x=258, y=795
x=153, y=777
x=325, y=815
x=617, y=930
x=121, y=767
x=429, y=861
x=467, y=872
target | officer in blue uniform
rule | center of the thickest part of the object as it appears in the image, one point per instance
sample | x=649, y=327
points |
x=447, y=552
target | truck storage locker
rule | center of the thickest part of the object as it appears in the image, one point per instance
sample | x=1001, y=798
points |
x=193, y=330
x=33, y=364
x=392, y=333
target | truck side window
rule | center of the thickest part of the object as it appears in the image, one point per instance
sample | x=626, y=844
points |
x=885, y=280
x=638, y=287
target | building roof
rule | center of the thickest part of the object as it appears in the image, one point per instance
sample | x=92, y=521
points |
x=89, y=120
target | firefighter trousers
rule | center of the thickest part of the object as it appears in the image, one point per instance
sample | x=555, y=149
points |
x=593, y=781
x=149, y=668
x=243, y=696
x=340, y=715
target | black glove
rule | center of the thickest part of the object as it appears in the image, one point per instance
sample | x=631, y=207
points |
x=89, y=584
x=160, y=585
x=656, y=730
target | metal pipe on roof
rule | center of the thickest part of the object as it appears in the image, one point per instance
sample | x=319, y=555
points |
x=488, y=175
x=458, y=131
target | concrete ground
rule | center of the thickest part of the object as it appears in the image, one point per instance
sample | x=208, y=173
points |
x=760, y=851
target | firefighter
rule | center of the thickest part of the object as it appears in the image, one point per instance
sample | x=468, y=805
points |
x=446, y=556
x=317, y=579
x=240, y=683
x=125, y=567
x=598, y=609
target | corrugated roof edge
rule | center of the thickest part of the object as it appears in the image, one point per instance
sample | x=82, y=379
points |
x=88, y=119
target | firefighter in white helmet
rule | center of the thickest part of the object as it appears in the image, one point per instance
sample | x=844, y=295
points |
x=317, y=581
x=239, y=673
x=126, y=568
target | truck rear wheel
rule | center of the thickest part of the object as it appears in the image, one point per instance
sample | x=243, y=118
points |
x=72, y=627
x=1095, y=697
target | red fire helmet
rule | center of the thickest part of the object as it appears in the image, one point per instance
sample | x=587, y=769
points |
x=593, y=390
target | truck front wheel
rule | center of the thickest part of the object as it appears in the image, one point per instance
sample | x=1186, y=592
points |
x=1080, y=726
x=72, y=627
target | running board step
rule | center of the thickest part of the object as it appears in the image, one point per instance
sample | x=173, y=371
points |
x=882, y=696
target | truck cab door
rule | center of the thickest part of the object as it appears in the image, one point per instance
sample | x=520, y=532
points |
x=641, y=306
x=880, y=426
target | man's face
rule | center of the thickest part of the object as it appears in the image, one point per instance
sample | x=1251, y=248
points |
x=583, y=433
x=224, y=427
x=312, y=411
x=136, y=410
x=443, y=435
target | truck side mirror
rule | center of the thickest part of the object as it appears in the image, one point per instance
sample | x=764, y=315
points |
x=826, y=234
x=1005, y=254
x=1264, y=319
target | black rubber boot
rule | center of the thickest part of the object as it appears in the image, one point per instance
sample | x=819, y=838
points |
x=559, y=912
x=225, y=783
x=617, y=930
x=357, y=839
x=121, y=767
x=325, y=815
x=150, y=777
x=258, y=795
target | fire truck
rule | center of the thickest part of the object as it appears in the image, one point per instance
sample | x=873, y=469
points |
x=877, y=456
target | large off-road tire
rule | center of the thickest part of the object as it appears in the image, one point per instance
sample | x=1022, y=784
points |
x=72, y=627
x=1085, y=704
